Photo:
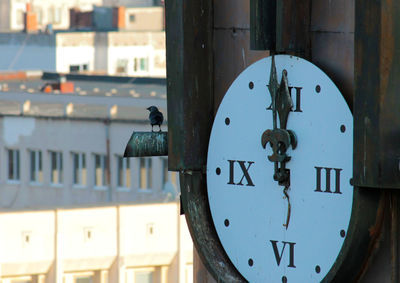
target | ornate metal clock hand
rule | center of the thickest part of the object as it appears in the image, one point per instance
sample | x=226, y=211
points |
x=280, y=138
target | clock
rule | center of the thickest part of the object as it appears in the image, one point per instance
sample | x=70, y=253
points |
x=279, y=171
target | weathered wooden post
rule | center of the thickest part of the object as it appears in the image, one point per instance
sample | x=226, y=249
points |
x=208, y=45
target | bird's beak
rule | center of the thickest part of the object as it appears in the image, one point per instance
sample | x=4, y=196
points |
x=148, y=108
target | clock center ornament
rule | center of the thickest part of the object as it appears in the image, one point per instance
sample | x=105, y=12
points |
x=309, y=151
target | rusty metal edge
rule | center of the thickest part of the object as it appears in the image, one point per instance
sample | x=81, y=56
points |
x=363, y=235
x=147, y=144
x=200, y=223
x=190, y=115
x=364, y=232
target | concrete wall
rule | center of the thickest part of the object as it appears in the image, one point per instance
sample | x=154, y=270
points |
x=19, y=51
x=66, y=243
x=101, y=54
x=27, y=242
x=4, y=15
x=149, y=18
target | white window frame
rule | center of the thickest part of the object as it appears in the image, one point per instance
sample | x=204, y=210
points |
x=78, y=182
x=16, y=166
x=103, y=167
x=147, y=183
x=58, y=15
x=168, y=176
x=36, y=173
x=59, y=167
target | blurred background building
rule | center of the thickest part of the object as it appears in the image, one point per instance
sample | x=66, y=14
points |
x=43, y=15
x=76, y=78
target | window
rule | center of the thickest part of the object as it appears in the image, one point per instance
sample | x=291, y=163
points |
x=145, y=174
x=83, y=279
x=78, y=68
x=20, y=16
x=140, y=64
x=124, y=172
x=39, y=13
x=144, y=276
x=122, y=66
x=54, y=15
x=140, y=275
x=56, y=165
x=73, y=68
x=143, y=64
x=57, y=15
x=79, y=170
x=26, y=238
x=13, y=164
x=36, y=172
x=132, y=18
x=100, y=170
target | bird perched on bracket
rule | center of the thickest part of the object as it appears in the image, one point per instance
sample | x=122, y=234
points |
x=155, y=117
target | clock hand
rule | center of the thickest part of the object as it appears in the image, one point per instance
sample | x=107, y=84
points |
x=280, y=138
x=289, y=206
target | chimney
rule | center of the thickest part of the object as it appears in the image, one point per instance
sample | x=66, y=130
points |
x=64, y=86
x=30, y=20
x=118, y=17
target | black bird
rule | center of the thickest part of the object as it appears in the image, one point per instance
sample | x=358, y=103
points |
x=155, y=117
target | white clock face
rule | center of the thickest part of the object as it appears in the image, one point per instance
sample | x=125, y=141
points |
x=248, y=207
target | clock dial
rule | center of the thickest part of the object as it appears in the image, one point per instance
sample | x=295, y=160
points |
x=247, y=205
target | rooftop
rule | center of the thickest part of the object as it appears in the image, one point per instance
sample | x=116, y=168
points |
x=91, y=96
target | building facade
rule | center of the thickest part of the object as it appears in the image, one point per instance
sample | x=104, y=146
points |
x=120, y=243
x=140, y=54
x=63, y=149
x=72, y=209
x=47, y=12
x=56, y=13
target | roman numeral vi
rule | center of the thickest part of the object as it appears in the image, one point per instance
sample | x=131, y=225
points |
x=278, y=255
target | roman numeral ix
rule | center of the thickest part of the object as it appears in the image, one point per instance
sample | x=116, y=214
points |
x=328, y=179
x=245, y=172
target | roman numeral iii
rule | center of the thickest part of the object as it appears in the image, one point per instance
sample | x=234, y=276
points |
x=328, y=174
